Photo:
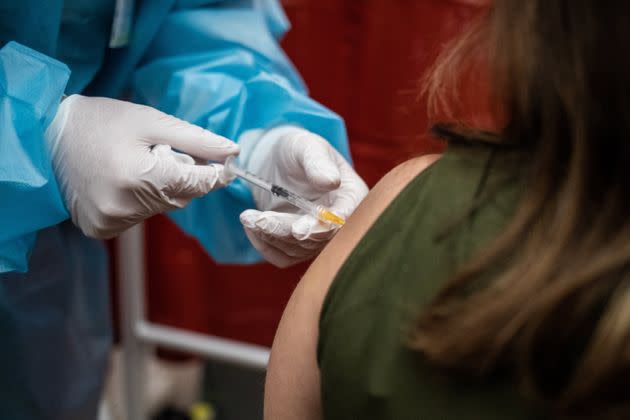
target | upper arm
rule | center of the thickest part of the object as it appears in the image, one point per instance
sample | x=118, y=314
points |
x=292, y=386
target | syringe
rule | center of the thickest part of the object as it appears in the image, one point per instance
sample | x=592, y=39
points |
x=315, y=210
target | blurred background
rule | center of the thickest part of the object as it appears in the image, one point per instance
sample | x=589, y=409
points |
x=364, y=59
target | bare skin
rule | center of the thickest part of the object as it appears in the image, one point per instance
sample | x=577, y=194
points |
x=292, y=389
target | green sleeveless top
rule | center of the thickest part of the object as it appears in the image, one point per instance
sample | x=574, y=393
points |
x=455, y=207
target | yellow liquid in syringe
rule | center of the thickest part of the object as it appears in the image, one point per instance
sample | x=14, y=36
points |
x=331, y=217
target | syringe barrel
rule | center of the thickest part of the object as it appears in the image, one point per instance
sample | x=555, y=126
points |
x=296, y=200
x=233, y=169
x=315, y=210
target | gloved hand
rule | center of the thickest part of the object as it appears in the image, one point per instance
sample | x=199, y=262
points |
x=306, y=164
x=111, y=175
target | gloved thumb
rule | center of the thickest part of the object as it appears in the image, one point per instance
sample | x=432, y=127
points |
x=191, y=139
x=318, y=161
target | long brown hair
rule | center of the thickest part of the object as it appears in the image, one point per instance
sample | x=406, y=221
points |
x=557, y=316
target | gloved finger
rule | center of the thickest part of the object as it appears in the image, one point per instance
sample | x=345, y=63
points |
x=317, y=159
x=345, y=199
x=291, y=249
x=312, y=244
x=276, y=229
x=190, y=139
x=304, y=231
x=271, y=253
x=274, y=223
x=165, y=151
x=183, y=181
x=309, y=229
x=183, y=174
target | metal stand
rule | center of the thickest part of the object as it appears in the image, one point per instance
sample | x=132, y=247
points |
x=140, y=336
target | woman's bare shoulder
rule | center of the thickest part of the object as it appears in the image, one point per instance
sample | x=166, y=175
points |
x=325, y=267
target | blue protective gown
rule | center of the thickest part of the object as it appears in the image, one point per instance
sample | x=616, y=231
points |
x=214, y=63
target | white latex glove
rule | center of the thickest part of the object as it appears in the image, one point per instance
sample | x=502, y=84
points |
x=111, y=175
x=306, y=164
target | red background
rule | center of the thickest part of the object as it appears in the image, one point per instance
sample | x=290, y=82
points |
x=362, y=58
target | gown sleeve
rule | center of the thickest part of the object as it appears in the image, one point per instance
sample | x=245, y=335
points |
x=31, y=86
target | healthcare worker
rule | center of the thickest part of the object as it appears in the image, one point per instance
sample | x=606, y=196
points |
x=78, y=168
